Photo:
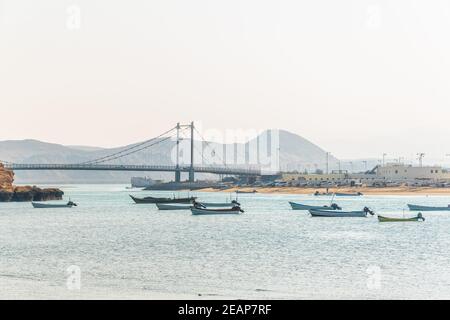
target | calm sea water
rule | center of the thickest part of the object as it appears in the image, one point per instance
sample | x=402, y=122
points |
x=126, y=250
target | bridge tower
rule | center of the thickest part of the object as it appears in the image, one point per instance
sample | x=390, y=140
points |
x=177, y=170
x=191, y=169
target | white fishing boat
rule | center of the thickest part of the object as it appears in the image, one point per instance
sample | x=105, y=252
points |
x=336, y=213
x=413, y=207
x=217, y=204
x=41, y=205
x=196, y=211
x=167, y=207
x=299, y=206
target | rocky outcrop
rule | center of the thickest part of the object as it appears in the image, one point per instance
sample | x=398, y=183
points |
x=6, y=178
x=9, y=192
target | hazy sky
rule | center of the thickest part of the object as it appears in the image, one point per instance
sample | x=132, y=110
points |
x=358, y=78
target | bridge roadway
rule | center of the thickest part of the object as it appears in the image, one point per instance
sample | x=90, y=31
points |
x=113, y=167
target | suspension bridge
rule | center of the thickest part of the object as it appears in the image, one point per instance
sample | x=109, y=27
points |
x=101, y=163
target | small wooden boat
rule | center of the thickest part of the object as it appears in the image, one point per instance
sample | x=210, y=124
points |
x=217, y=204
x=244, y=192
x=197, y=211
x=337, y=213
x=40, y=205
x=340, y=194
x=317, y=193
x=413, y=207
x=299, y=206
x=162, y=200
x=419, y=217
x=164, y=206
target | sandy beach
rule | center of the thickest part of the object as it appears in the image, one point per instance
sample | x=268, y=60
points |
x=398, y=191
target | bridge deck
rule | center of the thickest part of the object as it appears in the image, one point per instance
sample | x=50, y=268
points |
x=111, y=167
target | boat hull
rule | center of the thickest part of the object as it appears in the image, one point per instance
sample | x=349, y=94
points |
x=299, y=206
x=217, y=205
x=200, y=212
x=170, y=207
x=387, y=219
x=153, y=200
x=413, y=207
x=335, y=214
x=49, y=206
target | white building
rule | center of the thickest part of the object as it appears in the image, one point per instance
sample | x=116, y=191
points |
x=399, y=171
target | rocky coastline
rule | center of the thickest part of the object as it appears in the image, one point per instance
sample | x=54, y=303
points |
x=11, y=193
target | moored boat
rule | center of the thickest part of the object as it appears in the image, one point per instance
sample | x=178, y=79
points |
x=337, y=213
x=244, y=192
x=299, y=206
x=40, y=205
x=419, y=217
x=167, y=207
x=197, y=211
x=338, y=194
x=218, y=204
x=317, y=193
x=356, y=194
x=162, y=200
x=413, y=207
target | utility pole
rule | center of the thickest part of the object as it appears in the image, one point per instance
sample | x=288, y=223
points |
x=421, y=155
x=384, y=157
x=365, y=165
x=328, y=159
x=191, y=169
x=177, y=171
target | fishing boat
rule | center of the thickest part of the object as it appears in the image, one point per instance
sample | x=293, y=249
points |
x=167, y=207
x=197, y=211
x=244, y=192
x=217, y=204
x=40, y=205
x=162, y=200
x=317, y=193
x=413, y=207
x=337, y=213
x=299, y=206
x=340, y=194
x=419, y=217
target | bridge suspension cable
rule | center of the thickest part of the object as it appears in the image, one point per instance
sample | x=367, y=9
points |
x=130, y=150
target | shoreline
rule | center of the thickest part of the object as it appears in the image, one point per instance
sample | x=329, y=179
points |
x=386, y=191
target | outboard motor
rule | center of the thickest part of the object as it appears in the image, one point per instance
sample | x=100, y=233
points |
x=198, y=205
x=237, y=208
x=367, y=210
x=235, y=202
x=335, y=207
x=420, y=216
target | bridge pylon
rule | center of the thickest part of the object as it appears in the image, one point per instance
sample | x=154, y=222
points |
x=177, y=169
x=191, y=169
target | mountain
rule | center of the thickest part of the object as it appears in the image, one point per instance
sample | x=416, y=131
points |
x=296, y=153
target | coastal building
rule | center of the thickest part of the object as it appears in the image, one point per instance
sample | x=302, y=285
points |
x=399, y=172
x=390, y=173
